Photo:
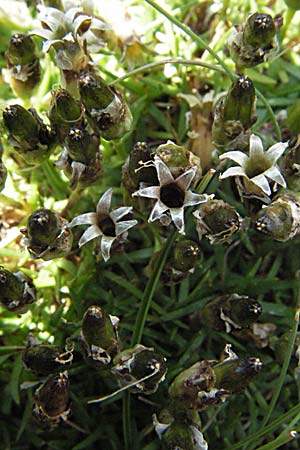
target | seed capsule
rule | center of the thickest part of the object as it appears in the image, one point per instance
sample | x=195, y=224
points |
x=17, y=291
x=182, y=436
x=106, y=108
x=230, y=312
x=45, y=359
x=28, y=134
x=65, y=112
x=281, y=219
x=218, y=221
x=81, y=145
x=23, y=65
x=289, y=164
x=51, y=400
x=259, y=30
x=135, y=364
x=136, y=170
x=47, y=235
x=99, y=335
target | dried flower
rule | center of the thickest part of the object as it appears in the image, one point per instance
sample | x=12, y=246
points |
x=17, y=291
x=218, y=221
x=99, y=335
x=142, y=366
x=280, y=220
x=47, y=235
x=255, y=171
x=172, y=195
x=105, y=225
x=51, y=400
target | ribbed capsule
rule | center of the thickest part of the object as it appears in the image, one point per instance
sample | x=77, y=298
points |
x=47, y=235
x=105, y=107
x=141, y=366
x=230, y=312
x=28, y=134
x=281, y=219
x=45, y=359
x=289, y=163
x=23, y=65
x=99, y=335
x=239, y=103
x=259, y=30
x=17, y=291
x=182, y=436
x=52, y=401
x=81, y=145
x=218, y=221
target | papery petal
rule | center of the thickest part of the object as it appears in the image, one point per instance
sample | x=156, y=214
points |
x=177, y=215
x=163, y=172
x=84, y=219
x=262, y=182
x=104, y=202
x=274, y=174
x=276, y=151
x=236, y=156
x=91, y=233
x=105, y=246
x=48, y=44
x=256, y=149
x=149, y=192
x=192, y=199
x=185, y=179
x=118, y=213
x=233, y=172
x=158, y=209
x=121, y=227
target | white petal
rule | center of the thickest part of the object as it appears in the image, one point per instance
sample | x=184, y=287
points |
x=121, y=227
x=158, y=209
x=118, y=213
x=192, y=199
x=91, y=233
x=274, y=174
x=236, y=156
x=84, y=219
x=276, y=151
x=163, y=172
x=233, y=172
x=256, y=149
x=177, y=215
x=149, y=192
x=104, y=202
x=185, y=179
x=105, y=246
x=262, y=182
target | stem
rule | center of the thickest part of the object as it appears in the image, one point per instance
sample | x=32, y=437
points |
x=287, y=20
x=278, y=442
x=271, y=114
x=57, y=185
x=150, y=66
x=194, y=36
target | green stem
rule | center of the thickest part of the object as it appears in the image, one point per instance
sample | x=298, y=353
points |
x=57, y=185
x=163, y=62
x=194, y=36
x=127, y=421
x=278, y=442
x=286, y=23
x=271, y=114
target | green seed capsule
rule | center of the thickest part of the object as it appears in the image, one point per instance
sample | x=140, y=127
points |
x=17, y=291
x=45, y=359
x=230, y=312
x=239, y=103
x=99, y=334
x=185, y=255
x=43, y=226
x=105, y=107
x=51, y=400
x=234, y=375
x=178, y=436
x=21, y=50
x=259, y=30
x=135, y=364
x=65, y=112
x=81, y=145
x=138, y=170
x=281, y=219
x=21, y=124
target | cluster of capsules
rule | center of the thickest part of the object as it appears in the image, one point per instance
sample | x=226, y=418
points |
x=162, y=181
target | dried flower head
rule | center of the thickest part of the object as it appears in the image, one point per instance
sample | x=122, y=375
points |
x=255, y=172
x=105, y=224
x=172, y=195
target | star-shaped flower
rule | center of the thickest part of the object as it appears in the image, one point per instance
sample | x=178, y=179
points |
x=257, y=169
x=104, y=224
x=172, y=195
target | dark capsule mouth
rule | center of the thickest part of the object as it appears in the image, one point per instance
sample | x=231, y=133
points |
x=172, y=196
x=107, y=226
x=3, y=278
x=9, y=112
x=88, y=80
x=75, y=134
x=17, y=39
x=263, y=22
